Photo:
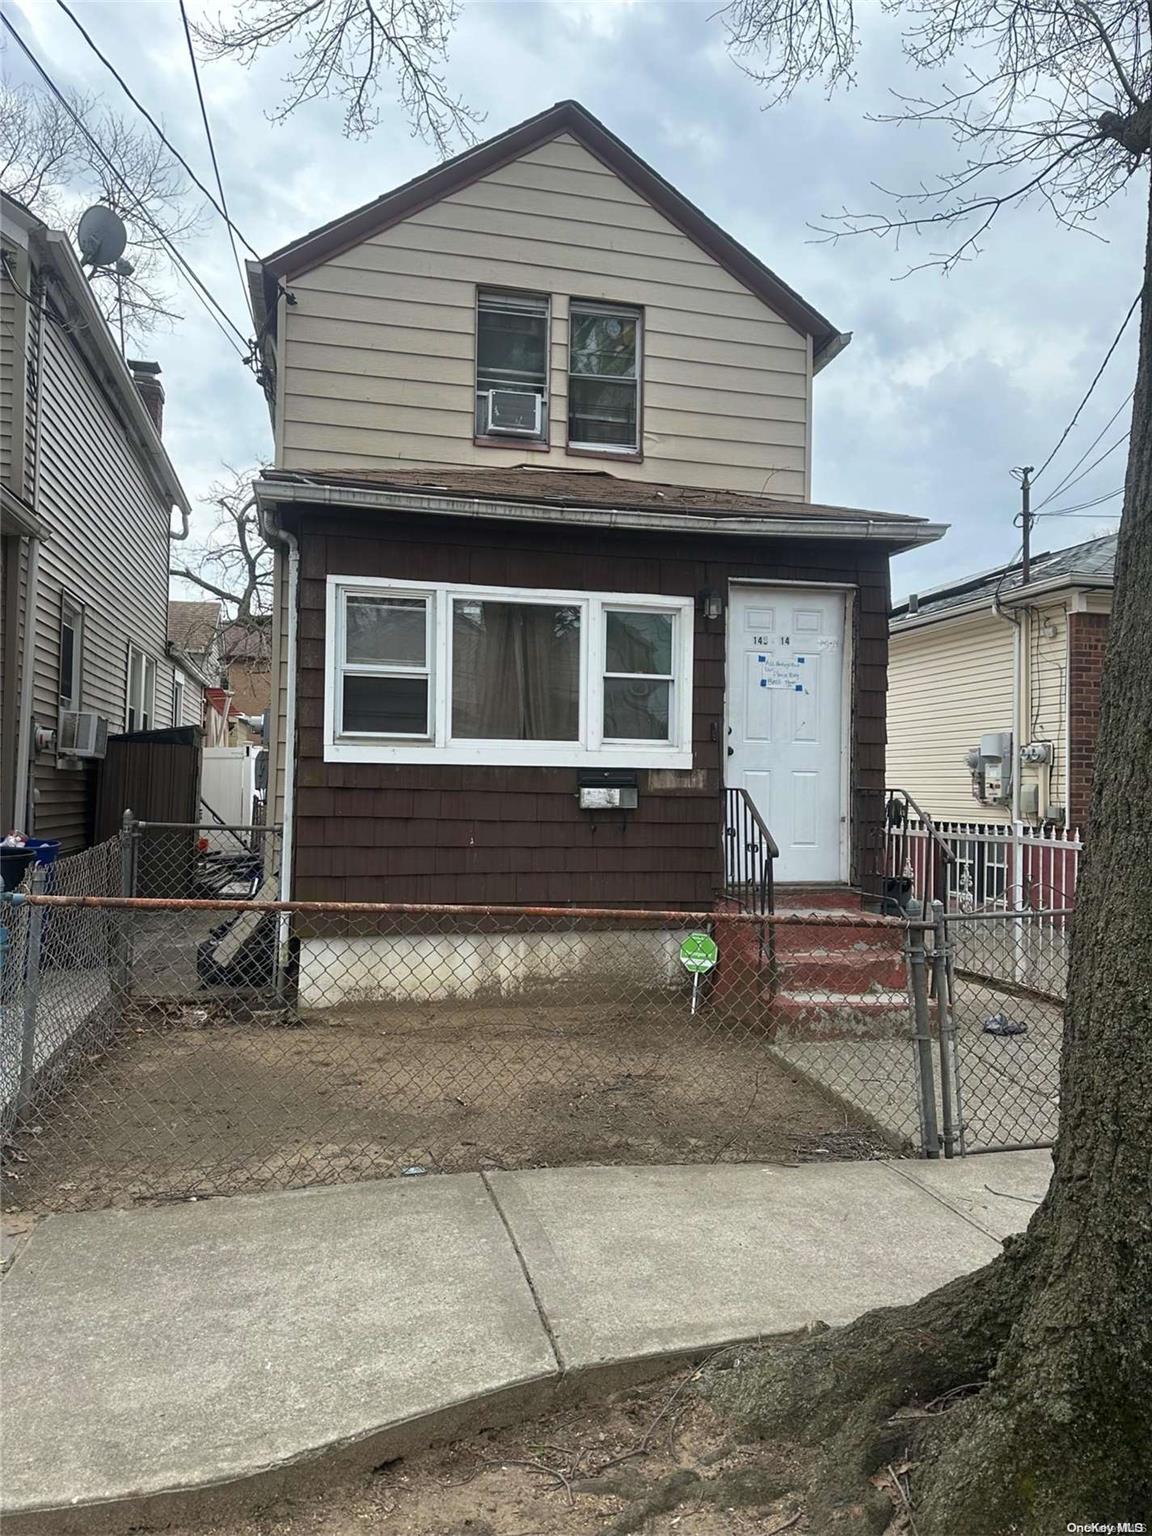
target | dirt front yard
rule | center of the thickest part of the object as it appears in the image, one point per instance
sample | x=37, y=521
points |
x=193, y=1099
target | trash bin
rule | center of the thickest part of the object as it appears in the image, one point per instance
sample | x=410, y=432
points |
x=46, y=849
x=14, y=864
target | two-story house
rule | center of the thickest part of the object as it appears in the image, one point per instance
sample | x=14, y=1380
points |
x=550, y=589
x=87, y=493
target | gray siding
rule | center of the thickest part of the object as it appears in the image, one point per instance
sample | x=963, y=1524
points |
x=9, y=301
x=107, y=548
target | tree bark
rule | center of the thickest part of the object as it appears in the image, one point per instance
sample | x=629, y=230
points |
x=1057, y=1332
x=1064, y=1432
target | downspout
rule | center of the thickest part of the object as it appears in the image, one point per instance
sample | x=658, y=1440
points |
x=276, y=535
x=1017, y=743
x=22, y=798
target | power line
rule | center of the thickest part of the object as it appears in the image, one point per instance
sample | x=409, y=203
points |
x=1088, y=394
x=215, y=162
x=1080, y=508
x=1119, y=443
x=1055, y=491
x=140, y=107
x=203, y=292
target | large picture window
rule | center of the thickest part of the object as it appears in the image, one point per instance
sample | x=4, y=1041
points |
x=604, y=377
x=460, y=674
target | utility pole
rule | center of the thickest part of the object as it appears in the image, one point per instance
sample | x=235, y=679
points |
x=1025, y=523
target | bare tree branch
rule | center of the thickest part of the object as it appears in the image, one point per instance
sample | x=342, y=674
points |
x=1055, y=102
x=47, y=164
x=343, y=46
x=232, y=562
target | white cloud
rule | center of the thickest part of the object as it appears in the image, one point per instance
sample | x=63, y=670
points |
x=947, y=384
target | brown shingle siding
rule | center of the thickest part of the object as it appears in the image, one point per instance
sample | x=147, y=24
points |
x=409, y=832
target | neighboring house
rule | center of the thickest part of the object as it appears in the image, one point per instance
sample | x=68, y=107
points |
x=232, y=661
x=247, y=654
x=960, y=670
x=194, y=650
x=544, y=545
x=87, y=499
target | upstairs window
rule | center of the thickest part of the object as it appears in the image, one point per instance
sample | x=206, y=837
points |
x=511, y=365
x=71, y=653
x=604, y=378
x=141, y=690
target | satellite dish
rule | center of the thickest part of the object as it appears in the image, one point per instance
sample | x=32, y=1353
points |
x=101, y=236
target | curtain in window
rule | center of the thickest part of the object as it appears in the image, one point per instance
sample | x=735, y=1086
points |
x=515, y=671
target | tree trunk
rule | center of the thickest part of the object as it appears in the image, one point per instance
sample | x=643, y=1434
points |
x=1060, y=1326
x=1064, y=1432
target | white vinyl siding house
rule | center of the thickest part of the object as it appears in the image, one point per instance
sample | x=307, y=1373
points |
x=958, y=670
x=947, y=685
x=378, y=352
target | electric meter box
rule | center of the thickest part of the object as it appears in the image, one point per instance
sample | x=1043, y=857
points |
x=996, y=763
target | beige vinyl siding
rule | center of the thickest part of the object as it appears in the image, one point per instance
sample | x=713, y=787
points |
x=378, y=350
x=107, y=548
x=948, y=683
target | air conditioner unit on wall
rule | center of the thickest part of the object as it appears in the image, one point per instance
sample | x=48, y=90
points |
x=515, y=412
x=82, y=734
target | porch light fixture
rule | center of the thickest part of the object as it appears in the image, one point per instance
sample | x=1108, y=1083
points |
x=711, y=603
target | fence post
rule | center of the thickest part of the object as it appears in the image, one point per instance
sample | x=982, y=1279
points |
x=946, y=1029
x=922, y=1034
x=122, y=973
x=33, y=957
x=1019, y=888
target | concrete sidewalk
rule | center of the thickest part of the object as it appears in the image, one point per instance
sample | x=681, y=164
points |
x=152, y=1356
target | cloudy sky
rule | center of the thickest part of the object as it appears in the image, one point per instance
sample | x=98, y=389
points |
x=949, y=381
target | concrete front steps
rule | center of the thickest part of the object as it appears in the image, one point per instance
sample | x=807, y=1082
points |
x=827, y=979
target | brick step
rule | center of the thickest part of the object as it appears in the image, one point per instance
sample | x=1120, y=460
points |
x=855, y=971
x=816, y=898
x=805, y=938
x=799, y=1015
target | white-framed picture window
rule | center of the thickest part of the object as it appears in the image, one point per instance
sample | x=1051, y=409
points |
x=141, y=691
x=71, y=654
x=605, y=346
x=512, y=346
x=433, y=672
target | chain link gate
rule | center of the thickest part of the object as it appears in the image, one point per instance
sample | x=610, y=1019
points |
x=995, y=1005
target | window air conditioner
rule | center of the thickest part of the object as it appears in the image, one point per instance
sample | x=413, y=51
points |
x=515, y=412
x=82, y=734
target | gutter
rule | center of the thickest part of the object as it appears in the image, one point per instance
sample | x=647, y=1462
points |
x=1019, y=595
x=875, y=530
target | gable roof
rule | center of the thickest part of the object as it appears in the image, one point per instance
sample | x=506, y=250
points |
x=1092, y=563
x=566, y=117
x=192, y=626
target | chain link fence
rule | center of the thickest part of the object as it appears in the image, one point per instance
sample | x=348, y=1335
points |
x=176, y=1047
x=1006, y=980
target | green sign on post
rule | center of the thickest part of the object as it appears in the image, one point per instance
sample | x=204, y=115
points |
x=698, y=953
x=697, y=956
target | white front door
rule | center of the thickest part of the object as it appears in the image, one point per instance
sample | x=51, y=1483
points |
x=785, y=686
